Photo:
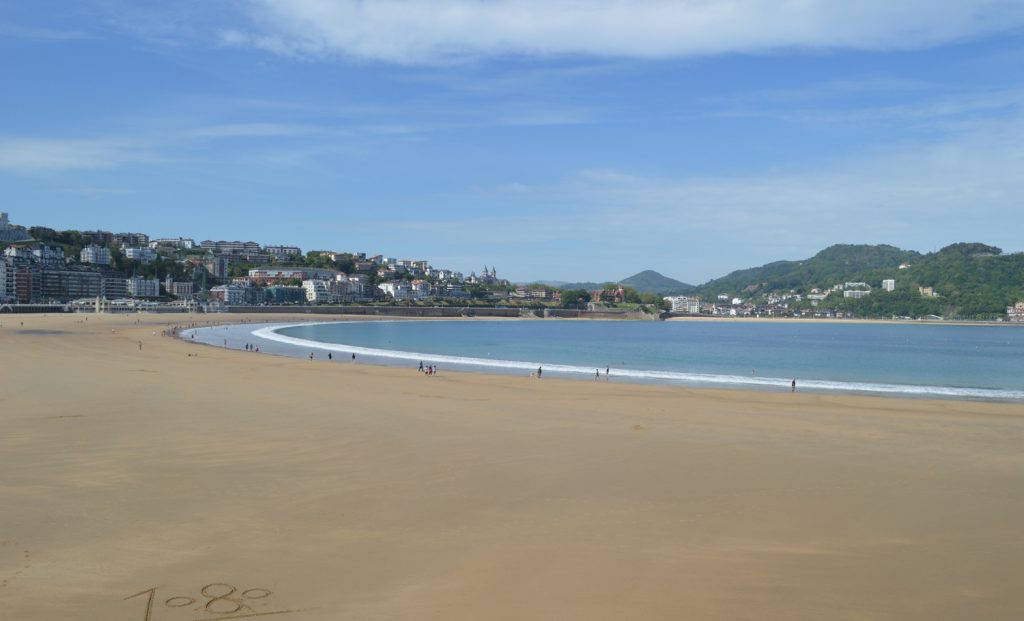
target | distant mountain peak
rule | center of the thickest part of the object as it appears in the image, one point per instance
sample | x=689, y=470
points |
x=650, y=281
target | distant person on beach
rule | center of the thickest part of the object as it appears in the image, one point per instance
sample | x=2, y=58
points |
x=539, y=372
x=310, y=355
x=597, y=374
x=329, y=356
x=353, y=357
x=606, y=371
x=792, y=387
x=421, y=366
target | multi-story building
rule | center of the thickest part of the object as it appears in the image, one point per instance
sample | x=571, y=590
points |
x=181, y=243
x=283, y=253
x=284, y=294
x=273, y=275
x=96, y=255
x=230, y=247
x=25, y=284
x=3, y=279
x=399, y=290
x=856, y=294
x=326, y=291
x=182, y=290
x=139, y=287
x=454, y=290
x=101, y=238
x=229, y=294
x=143, y=255
x=684, y=304
x=130, y=239
x=10, y=233
x=420, y=289
x=70, y=283
x=217, y=266
x=889, y=284
x=48, y=255
x=1016, y=312
x=535, y=293
x=115, y=286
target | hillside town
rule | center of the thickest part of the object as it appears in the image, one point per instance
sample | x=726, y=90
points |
x=133, y=270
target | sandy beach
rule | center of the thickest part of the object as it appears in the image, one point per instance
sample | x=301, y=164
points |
x=177, y=482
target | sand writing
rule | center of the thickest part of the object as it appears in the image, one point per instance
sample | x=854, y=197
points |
x=213, y=602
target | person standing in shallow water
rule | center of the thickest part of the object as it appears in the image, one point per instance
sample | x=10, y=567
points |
x=539, y=371
x=792, y=387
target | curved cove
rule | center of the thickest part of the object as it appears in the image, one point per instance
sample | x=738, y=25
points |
x=972, y=362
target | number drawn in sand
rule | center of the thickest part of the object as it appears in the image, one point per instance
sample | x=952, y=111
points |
x=213, y=602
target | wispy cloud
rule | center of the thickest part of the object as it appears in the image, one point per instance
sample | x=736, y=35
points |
x=445, y=30
x=27, y=155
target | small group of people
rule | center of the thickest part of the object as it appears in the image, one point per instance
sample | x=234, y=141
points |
x=428, y=370
x=597, y=373
x=248, y=346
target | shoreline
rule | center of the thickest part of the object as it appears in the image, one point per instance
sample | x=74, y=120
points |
x=290, y=346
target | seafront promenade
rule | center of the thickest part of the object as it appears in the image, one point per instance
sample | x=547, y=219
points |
x=147, y=478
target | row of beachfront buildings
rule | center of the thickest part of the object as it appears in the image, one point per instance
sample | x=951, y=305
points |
x=32, y=272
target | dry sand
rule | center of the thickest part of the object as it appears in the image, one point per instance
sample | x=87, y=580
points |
x=336, y=491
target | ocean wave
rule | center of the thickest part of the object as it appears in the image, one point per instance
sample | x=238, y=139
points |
x=675, y=377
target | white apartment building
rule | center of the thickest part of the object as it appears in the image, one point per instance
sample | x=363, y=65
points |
x=398, y=289
x=182, y=243
x=420, y=289
x=684, y=304
x=855, y=294
x=3, y=279
x=97, y=255
x=139, y=287
x=326, y=291
x=889, y=285
x=142, y=255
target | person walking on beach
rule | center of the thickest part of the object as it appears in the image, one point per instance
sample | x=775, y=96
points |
x=353, y=357
x=597, y=375
x=539, y=371
x=329, y=356
x=421, y=366
x=310, y=355
x=606, y=371
x=792, y=387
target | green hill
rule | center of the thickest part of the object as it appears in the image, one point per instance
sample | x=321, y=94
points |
x=970, y=280
x=647, y=281
x=833, y=265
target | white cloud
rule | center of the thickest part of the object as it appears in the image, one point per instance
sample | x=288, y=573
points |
x=438, y=30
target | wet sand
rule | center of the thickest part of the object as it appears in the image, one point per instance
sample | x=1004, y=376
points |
x=215, y=484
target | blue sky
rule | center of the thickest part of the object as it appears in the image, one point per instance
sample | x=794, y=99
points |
x=554, y=139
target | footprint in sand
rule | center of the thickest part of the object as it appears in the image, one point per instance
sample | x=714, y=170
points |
x=7, y=551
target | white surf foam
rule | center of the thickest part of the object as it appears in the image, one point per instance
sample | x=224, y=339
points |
x=699, y=379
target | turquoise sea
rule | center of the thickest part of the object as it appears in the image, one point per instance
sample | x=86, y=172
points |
x=926, y=360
